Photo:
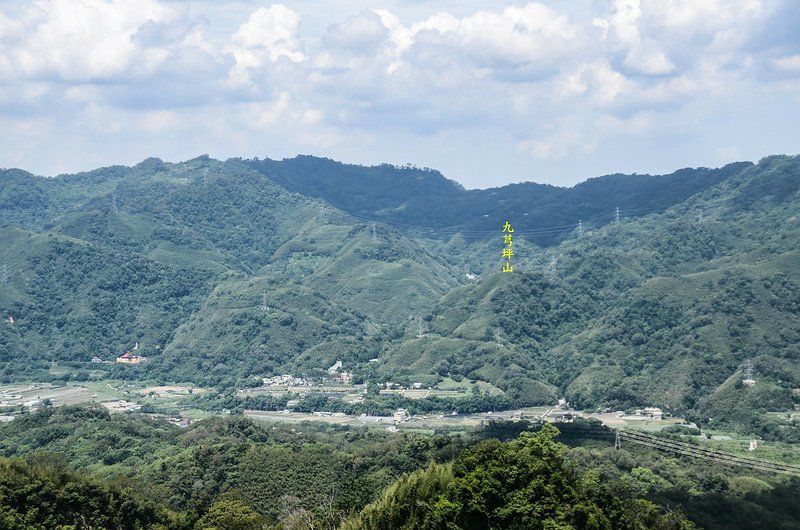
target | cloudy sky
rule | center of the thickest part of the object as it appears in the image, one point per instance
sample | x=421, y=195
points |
x=488, y=92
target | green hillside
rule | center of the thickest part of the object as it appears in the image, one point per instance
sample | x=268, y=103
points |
x=225, y=272
x=657, y=311
x=422, y=197
x=182, y=257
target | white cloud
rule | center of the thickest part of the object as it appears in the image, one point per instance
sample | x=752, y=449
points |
x=519, y=43
x=362, y=34
x=270, y=113
x=159, y=121
x=536, y=83
x=76, y=40
x=789, y=64
x=640, y=53
x=518, y=35
x=702, y=20
x=268, y=35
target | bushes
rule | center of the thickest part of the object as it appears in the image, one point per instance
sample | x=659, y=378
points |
x=43, y=492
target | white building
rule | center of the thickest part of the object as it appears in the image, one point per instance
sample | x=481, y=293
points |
x=34, y=404
x=401, y=415
x=285, y=380
x=654, y=412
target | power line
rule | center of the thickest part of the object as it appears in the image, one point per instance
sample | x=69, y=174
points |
x=682, y=448
x=709, y=454
x=545, y=231
x=552, y=230
x=362, y=217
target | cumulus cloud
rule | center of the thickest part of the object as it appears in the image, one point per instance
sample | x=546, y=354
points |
x=268, y=35
x=77, y=40
x=641, y=54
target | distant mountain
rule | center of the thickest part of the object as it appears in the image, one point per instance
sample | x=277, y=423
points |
x=228, y=271
x=412, y=197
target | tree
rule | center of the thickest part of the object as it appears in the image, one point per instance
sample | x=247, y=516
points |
x=230, y=514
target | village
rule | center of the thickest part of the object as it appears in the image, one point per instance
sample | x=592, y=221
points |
x=169, y=402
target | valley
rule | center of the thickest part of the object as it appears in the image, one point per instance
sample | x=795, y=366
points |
x=212, y=328
x=225, y=277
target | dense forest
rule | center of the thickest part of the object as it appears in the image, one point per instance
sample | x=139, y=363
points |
x=81, y=467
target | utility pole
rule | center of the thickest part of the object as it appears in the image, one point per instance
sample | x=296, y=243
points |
x=205, y=177
x=5, y=274
x=580, y=228
x=616, y=216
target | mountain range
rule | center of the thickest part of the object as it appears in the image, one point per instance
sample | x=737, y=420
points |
x=227, y=271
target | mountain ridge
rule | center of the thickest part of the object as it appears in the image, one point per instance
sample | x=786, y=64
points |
x=224, y=275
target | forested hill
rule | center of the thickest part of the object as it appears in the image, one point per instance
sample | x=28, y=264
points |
x=223, y=274
x=405, y=197
x=422, y=197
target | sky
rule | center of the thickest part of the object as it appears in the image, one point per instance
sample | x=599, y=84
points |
x=487, y=92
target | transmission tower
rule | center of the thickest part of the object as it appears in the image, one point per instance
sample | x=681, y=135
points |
x=417, y=322
x=5, y=274
x=374, y=238
x=617, y=441
x=747, y=376
x=580, y=228
x=616, y=216
x=551, y=267
x=114, y=201
x=264, y=301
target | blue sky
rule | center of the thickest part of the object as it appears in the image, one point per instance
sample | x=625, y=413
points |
x=486, y=92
